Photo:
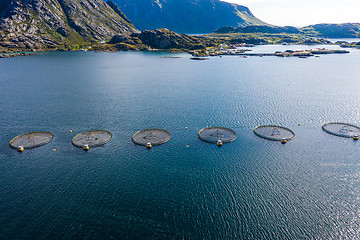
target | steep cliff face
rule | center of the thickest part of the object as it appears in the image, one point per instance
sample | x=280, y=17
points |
x=95, y=19
x=186, y=16
x=38, y=24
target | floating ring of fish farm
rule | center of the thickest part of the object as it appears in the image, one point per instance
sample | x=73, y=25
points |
x=214, y=134
x=92, y=138
x=274, y=132
x=341, y=129
x=153, y=136
x=31, y=140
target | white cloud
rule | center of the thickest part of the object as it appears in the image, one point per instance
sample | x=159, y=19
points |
x=303, y=12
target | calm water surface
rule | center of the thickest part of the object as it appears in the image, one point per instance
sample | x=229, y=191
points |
x=248, y=189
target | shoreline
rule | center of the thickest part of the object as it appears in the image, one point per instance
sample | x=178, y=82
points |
x=204, y=53
x=15, y=54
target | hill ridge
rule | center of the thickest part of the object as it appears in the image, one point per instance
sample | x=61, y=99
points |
x=187, y=16
x=38, y=24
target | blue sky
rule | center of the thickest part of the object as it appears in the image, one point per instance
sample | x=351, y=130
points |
x=303, y=12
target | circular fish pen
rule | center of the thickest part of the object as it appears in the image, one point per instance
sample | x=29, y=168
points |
x=92, y=138
x=153, y=136
x=274, y=133
x=214, y=134
x=31, y=140
x=341, y=129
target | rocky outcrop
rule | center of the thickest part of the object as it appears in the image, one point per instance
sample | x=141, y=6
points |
x=166, y=39
x=186, y=16
x=159, y=39
x=44, y=24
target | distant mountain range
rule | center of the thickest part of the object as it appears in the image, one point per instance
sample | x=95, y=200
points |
x=346, y=30
x=186, y=16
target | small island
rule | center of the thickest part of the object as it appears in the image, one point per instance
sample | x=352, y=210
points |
x=236, y=50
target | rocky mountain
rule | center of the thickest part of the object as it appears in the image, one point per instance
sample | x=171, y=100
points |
x=186, y=16
x=42, y=24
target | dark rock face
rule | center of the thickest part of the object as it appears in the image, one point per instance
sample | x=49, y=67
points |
x=63, y=31
x=95, y=19
x=166, y=39
x=118, y=39
x=163, y=39
x=39, y=24
x=186, y=16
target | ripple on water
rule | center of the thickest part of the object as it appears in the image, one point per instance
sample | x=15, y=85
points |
x=247, y=189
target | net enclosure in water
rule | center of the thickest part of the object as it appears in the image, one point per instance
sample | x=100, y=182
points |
x=341, y=129
x=214, y=134
x=274, y=133
x=154, y=136
x=92, y=138
x=32, y=139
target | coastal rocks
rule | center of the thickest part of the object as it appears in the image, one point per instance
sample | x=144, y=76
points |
x=328, y=51
x=309, y=53
x=9, y=55
x=290, y=53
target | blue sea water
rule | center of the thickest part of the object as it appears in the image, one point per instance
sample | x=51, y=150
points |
x=248, y=189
